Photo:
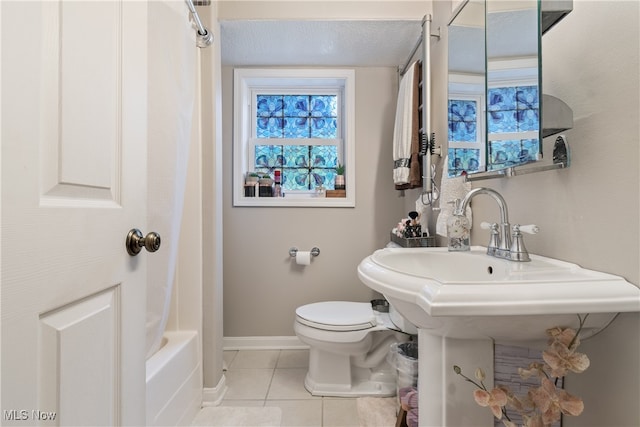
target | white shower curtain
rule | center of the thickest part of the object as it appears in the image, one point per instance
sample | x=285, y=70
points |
x=172, y=82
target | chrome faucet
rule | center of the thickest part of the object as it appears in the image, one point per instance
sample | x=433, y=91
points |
x=500, y=243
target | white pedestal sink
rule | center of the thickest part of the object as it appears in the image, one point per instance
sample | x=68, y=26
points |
x=462, y=302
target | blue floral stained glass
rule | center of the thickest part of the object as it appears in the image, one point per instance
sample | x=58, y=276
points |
x=513, y=109
x=270, y=117
x=462, y=120
x=296, y=127
x=507, y=153
x=295, y=179
x=463, y=159
x=297, y=116
x=303, y=167
x=324, y=156
x=268, y=156
x=324, y=177
x=296, y=156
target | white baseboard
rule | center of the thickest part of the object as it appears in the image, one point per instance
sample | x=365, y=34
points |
x=263, y=343
x=213, y=396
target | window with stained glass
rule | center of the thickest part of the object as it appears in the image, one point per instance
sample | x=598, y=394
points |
x=295, y=125
x=297, y=134
x=464, y=135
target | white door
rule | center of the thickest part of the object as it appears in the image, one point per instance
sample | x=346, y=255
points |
x=73, y=184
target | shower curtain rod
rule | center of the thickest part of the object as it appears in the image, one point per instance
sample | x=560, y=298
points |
x=204, y=37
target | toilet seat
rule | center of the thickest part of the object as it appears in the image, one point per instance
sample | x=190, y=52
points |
x=337, y=316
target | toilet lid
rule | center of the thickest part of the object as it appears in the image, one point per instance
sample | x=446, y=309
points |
x=337, y=315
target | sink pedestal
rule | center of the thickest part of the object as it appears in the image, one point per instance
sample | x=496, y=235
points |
x=462, y=301
x=445, y=398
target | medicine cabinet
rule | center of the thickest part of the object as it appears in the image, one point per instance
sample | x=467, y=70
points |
x=497, y=114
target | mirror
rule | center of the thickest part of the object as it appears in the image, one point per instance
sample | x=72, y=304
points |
x=494, y=69
x=467, y=89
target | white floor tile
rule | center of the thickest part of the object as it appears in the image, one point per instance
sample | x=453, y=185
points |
x=275, y=378
x=242, y=403
x=248, y=384
x=293, y=359
x=289, y=384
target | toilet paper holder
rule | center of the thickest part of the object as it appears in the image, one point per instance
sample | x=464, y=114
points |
x=293, y=251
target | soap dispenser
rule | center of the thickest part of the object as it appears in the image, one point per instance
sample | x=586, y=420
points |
x=458, y=229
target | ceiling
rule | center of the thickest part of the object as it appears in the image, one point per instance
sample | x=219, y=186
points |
x=318, y=43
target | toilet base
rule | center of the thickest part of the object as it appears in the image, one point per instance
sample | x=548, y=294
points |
x=364, y=383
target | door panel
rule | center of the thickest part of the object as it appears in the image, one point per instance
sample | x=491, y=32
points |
x=82, y=101
x=73, y=184
x=81, y=385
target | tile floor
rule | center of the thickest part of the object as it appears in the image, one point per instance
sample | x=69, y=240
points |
x=276, y=378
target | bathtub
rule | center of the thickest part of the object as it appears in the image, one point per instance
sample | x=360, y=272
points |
x=174, y=384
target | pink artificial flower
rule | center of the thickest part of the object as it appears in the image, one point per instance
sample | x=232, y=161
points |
x=535, y=421
x=561, y=359
x=552, y=402
x=564, y=336
x=516, y=402
x=494, y=400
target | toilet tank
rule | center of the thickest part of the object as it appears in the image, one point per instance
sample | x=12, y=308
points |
x=401, y=323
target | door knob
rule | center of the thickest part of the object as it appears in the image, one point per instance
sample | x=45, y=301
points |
x=135, y=242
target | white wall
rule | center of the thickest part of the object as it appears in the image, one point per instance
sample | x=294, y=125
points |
x=589, y=213
x=262, y=287
x=592, y=215
x=211, y=208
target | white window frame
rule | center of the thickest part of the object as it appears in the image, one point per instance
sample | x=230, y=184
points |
x=249, y=81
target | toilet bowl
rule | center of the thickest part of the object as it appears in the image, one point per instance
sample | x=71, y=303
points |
x=348, y=347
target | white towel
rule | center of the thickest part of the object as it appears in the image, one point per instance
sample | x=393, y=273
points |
x=402, y=131
x=451, y=189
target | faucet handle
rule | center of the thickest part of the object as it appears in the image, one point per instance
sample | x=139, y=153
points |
x=494, y=239
x=530, y=229
x=518, y=251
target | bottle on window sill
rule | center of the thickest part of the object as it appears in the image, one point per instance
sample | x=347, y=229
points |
x=277, y=188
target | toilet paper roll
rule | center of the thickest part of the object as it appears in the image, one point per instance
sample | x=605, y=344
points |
x=303, y=257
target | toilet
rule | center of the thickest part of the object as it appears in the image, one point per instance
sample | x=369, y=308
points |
x=349, y=343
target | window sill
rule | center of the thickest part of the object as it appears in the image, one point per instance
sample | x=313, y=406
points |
x=306, y=199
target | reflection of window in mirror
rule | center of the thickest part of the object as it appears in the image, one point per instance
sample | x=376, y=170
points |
x=466, y=133
x=512, y=110
x=464, y=137
x=513, y=84
x=513, y=114
x=466, y=88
